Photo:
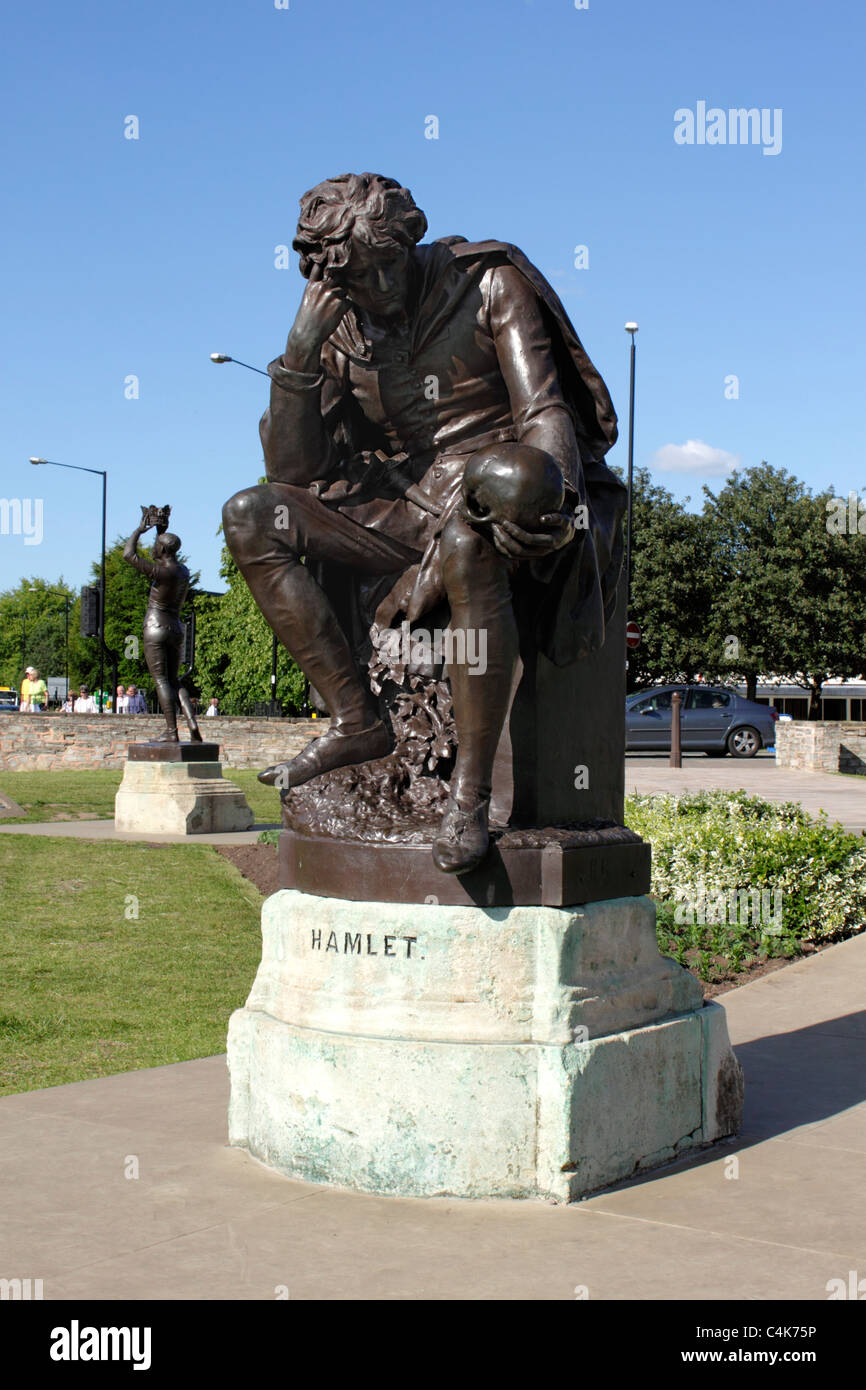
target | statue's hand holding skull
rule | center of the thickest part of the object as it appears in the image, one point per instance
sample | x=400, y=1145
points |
x=518, y=492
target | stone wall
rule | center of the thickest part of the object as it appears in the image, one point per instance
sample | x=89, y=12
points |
x=822, y=745
x=51, y=741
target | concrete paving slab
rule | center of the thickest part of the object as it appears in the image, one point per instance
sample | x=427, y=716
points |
x=333, y=1247
x=842, y=797
x=782, y=1190
x=206, y=1221
x=828, y=987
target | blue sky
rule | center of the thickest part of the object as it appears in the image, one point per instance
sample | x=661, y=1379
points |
x=556, y=129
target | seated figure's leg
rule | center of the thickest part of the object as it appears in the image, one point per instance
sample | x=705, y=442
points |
x=268, y=528
x=477, y=583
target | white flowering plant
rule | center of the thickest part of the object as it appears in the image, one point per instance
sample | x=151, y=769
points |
x=739, y=880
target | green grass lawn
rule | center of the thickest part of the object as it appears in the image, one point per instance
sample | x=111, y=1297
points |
x=67, y=795
x=89, y=794
x=89, y=988
x=264, y=802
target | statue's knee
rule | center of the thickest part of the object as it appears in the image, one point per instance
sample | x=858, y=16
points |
x=246, y=509
x=465, y=550
x=239, y=510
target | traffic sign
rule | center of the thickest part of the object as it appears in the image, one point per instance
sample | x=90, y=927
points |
x=632, y=635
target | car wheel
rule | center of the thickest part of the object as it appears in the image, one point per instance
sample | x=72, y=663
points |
x=716, y=752
x=744, y=742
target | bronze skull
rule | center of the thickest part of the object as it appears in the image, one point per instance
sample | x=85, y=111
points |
x=512, y=482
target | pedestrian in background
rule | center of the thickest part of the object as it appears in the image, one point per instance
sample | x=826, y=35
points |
x=34, y=692
x=85, y=704
x=135, y=701
x=24, y=702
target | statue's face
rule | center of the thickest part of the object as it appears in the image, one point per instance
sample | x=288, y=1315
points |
x=378, y=279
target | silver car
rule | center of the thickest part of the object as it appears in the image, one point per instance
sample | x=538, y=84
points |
x=713, y=720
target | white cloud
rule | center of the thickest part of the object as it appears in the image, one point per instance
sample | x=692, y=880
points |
x=695, y=457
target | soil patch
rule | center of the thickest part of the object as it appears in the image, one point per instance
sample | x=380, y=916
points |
x=258, y=863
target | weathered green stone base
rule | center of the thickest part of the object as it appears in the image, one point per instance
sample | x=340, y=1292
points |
x=429, y=1050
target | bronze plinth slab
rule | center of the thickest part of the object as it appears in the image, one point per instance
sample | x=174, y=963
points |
x=173, y=752
x=547, y=868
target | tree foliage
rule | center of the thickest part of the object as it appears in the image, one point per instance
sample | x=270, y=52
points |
x=33, y=629
x=234, y=647
x=788, y=593
x=671, y=593
x=756, y=584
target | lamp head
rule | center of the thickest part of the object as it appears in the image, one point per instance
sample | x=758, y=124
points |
x=220, y=357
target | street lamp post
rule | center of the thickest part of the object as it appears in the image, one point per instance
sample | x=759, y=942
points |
x=104, y=476
x=220, y=357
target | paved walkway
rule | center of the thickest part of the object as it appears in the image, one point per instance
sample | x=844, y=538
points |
x=843, y=798
x=202, y=1220
x=104, y=830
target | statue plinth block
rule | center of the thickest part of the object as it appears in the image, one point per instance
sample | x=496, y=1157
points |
x=551, y=868
x=173, y=752
x=471, y=1052
x=183, y=794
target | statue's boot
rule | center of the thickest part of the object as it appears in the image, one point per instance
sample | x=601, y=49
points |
x=191, y=722
x=463, y=838
x=478, y=588
x=339, y=747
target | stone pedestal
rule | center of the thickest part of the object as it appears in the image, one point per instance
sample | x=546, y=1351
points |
x=178, y=789
x=425, y=1050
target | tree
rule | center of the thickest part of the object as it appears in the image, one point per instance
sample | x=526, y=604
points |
x=788, y=594
x=671, y=591
x=828, y=636
x=234, y=648
x=33, y=629
x=755, y=521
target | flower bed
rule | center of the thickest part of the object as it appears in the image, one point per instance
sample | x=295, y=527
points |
x=740, y=881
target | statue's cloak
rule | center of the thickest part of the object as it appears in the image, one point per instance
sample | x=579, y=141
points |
x=569, y=595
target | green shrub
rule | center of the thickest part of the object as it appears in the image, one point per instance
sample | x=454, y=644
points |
x=738, y=879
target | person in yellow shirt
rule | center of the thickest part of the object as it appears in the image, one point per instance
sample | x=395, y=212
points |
x=34, y=692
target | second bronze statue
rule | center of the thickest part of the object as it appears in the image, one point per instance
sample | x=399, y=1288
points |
x=163, y=630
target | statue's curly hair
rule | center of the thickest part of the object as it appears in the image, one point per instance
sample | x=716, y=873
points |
x=362, y=207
